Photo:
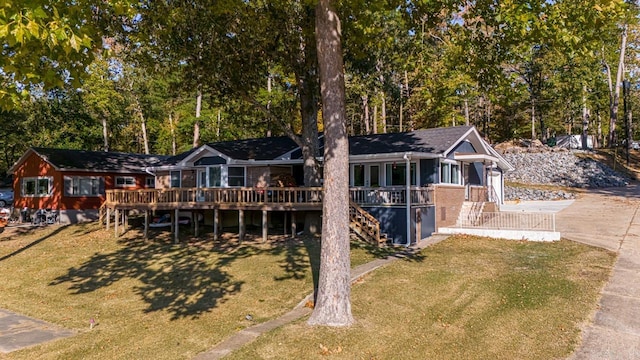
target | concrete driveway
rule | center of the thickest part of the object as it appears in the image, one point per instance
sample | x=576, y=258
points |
x=18, y=331
x=609, y=218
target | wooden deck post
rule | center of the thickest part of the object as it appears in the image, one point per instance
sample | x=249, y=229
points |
x=241, y=227
x=216, y=223
x=285, y=223
x=264, y=225
x=146, y=224
x=108, y=218
x=196, y=223
x=293, y=225
x=116, y=221
x=125, y=220
x=176, y=224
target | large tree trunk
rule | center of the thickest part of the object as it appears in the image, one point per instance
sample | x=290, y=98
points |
x=333, y=304
x=143, y=125
x=614, y=94
x=365, y=118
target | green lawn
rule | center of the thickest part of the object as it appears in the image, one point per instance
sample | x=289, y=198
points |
x=463, y=298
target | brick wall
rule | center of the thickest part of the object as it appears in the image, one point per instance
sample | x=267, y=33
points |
x=448, y=201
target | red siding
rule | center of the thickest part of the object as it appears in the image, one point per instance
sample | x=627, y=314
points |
x=34, y=166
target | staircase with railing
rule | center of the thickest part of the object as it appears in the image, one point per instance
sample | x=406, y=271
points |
x=470, y=213
x=365, y=226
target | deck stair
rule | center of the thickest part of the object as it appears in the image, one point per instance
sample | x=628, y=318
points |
x=470, y=213
x=365, y=226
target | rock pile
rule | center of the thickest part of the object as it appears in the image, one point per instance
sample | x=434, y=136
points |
x=551, y=166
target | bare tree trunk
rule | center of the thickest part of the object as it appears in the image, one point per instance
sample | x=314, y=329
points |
x=333, y=304
x=585, y=118
x=105, y=133
x=365, y=106
x=614, y=94
x=533, y=119
x=196, y=126
x=375, y=119
x=599, y=136
x=218, y=124
x=383, y=113
x=143, y=123
x=173, y=133
x=466, y=111
x=269, y=80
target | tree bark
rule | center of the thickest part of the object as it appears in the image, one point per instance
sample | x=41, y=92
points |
x=365, y=106
x=333, y=304
x=585, y=118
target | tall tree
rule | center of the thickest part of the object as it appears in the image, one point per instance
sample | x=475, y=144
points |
x=333, y=304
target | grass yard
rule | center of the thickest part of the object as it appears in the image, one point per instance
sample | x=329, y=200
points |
x=149, y=299
x=466, y=297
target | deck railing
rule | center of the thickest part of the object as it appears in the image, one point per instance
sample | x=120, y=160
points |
x=390, y=195
x=272, y=195
x=511, y=221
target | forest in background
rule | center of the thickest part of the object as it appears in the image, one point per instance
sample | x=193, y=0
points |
x=164, y=76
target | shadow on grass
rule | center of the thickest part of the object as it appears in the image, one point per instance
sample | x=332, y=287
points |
x=32, y=244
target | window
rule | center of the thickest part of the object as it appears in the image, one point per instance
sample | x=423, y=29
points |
x=449, y=173
x=236, y=176
x=83, y=186
x=37, y=186
x=150, y=182
x=397, y=175
x=358, y=175
x=175, y=179
x=125, y=181
x=215, y=176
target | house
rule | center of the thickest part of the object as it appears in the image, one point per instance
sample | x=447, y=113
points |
x=74, y=182
x=403, y=186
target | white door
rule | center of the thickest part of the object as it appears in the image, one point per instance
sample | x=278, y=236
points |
x=496, y=181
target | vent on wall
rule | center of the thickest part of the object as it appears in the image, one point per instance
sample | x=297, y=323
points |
x=443, y=213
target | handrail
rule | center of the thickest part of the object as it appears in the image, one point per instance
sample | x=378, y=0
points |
x=269, y=195
x=364, y=222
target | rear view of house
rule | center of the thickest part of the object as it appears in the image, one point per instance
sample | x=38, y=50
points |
x=403, y=186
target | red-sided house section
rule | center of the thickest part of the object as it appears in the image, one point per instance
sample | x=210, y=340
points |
x=33, y=166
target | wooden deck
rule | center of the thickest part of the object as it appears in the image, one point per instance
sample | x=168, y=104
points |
x=270, y=199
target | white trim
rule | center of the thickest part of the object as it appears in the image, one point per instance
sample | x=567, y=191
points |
x=201, y=149
x=36, y=179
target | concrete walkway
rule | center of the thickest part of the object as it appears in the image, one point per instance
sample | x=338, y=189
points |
x=19, y=331
x=610, y=219
x=249, y=334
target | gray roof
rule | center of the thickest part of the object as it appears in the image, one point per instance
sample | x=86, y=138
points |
x=267, y=148
x=66, y=159
x=434, y=141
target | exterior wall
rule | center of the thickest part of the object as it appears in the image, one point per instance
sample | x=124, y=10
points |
x=35, y=166
x=448, y=200
x=393, y=222
x=463, y=147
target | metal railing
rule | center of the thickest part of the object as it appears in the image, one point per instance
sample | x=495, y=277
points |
x=511, y=221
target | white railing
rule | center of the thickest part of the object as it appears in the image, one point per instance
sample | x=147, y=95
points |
x=390, y=195
x=511, y=221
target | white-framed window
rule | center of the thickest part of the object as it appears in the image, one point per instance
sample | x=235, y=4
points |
x=83, y=186
x=396, y=174
x=235, y=176
x=37, y=186
x=150, y=182
x=215, y=176
x=449, y=173
x=125, y=181
x=358, y=175
x=175, y=179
